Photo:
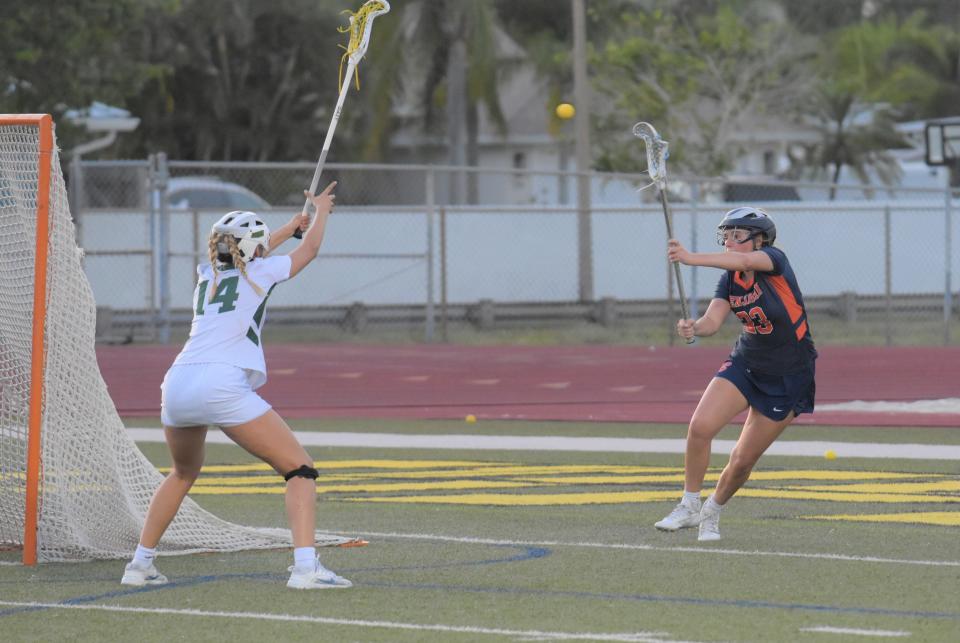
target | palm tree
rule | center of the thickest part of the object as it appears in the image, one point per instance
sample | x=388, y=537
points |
x=429, y=44
x=857, y=136
x=859, y=80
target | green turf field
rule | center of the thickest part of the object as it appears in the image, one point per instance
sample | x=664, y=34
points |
x=544, y=545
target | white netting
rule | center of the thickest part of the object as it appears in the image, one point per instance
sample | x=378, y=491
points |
x=95, y=483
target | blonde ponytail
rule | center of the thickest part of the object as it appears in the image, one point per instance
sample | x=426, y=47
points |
x=212, y=253
x=238, y=262
x=241, y=265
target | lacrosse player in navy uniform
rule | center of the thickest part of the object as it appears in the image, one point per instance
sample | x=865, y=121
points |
x=769, y=373
x=214, y=380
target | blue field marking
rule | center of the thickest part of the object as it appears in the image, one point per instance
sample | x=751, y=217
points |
x=684, y=600
x=526, y=553
x=119, y=593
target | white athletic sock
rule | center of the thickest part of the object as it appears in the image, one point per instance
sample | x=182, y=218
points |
x=691, y=498
x=712, y=505
x=304, y=557
x=144, y=556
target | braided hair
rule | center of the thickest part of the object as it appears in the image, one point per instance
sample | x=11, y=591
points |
x=223, y=250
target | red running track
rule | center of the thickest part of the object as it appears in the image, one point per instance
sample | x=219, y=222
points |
x=598, y=383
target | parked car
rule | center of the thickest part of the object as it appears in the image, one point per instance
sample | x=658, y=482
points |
x=210, y=193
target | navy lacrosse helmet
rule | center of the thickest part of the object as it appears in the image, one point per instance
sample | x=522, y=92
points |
x=750, y=218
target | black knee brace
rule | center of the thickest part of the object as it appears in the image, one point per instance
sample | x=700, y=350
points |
x=303, y=472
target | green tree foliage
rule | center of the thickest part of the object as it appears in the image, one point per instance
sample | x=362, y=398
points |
x=440, y=60
x=57, y=55
x=545, y=30
x=862, y=80
x=926, y=59
x=702, y=72
x=248, y=80
x=257, y=79
x=817, y=17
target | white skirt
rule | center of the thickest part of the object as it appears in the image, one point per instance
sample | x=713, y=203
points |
x=213, y=393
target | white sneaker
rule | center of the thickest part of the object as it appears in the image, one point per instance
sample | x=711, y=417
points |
x=137, y=576
x=317, y=578
x=682, y=516
x=709, y=525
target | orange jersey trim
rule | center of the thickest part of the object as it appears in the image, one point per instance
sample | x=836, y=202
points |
x=743, y=283
x=794, y=309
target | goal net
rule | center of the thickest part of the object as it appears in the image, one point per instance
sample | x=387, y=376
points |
x=82, y=489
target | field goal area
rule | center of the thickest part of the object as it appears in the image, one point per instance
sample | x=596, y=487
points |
x=73, y=485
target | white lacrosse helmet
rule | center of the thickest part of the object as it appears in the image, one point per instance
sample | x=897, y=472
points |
x=249, y=230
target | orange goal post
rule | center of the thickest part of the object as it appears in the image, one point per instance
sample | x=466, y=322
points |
x=73, y=484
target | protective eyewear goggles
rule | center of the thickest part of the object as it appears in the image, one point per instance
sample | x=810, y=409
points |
x=736, y=235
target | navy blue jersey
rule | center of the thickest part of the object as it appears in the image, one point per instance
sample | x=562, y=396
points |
x=776, y=337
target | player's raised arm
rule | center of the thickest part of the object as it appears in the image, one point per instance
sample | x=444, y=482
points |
x=309, y=246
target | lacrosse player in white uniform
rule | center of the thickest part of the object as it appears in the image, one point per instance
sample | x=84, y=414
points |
x=214, y=378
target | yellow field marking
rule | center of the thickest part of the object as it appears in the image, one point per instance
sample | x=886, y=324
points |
x=265, y=481
x=415, y=378
x=889, y=487
x=240, y=481
x=946, y=518
x=756, y=476
x=485, y=472
x=282, y=371
x=530, y=499
x=392, y=469
x=554, y=385
x=574, y=480
x=410, y=477
x=488, y=382
x=401, y=464
x=348, y=376
x=514, y=470
x=820, y=474
x=350, y=464
x=627, y=389
x=451, y=485
x=786, y=494
x=647, y=496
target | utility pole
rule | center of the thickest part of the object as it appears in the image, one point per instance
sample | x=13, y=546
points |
x=581, y=93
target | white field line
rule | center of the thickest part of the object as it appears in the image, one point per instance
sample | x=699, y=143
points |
x=7, y=562
x=582, y=444
x=701, y=550
x=653, y=637
x=826, y=629
x=948, y=405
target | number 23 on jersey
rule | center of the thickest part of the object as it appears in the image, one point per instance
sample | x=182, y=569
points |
x=755, y=321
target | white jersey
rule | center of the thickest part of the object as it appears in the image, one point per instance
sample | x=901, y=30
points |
x=227, y=329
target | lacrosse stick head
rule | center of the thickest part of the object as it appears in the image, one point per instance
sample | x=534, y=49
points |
x=658, y=151
x=361, y=24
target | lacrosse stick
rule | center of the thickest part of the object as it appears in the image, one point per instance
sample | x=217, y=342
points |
x=361, y=24
x=658, y=151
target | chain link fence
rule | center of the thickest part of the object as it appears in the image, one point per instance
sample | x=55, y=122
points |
x=446, y=254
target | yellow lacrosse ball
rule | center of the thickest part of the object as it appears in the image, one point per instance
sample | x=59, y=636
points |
x=565, y=111
x=830, y=454
x=470, y=419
